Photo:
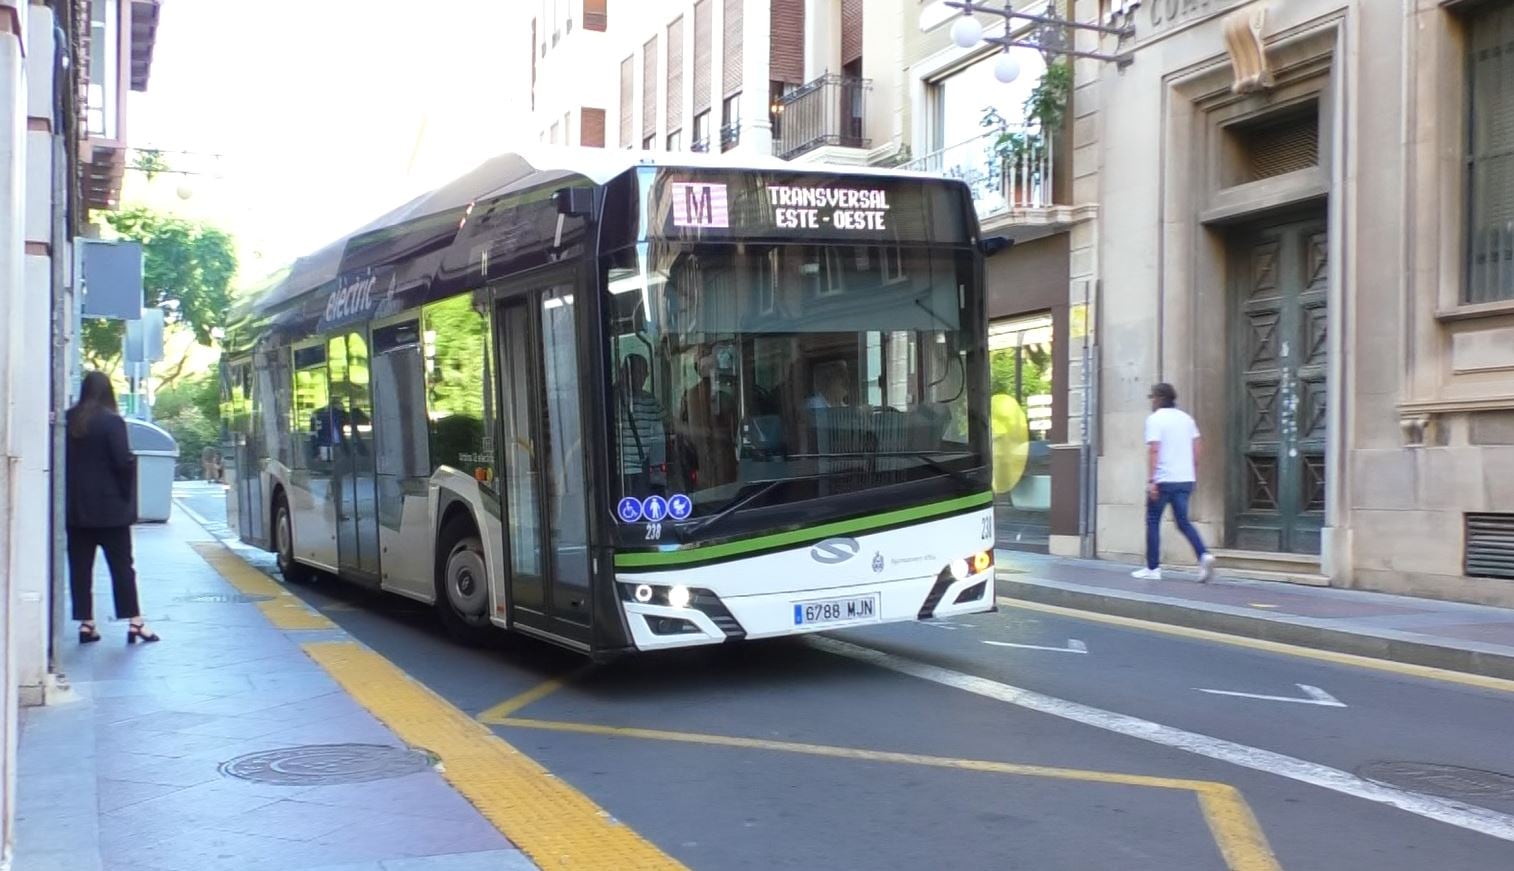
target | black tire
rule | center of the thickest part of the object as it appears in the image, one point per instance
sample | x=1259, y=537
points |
x=293, y=570
x=462, y=583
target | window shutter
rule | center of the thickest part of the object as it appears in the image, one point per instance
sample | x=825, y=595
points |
x=649, y=88
x=675, y=76
x=851, y=31
x=702, y=56
x=1490, y=194
x=591, y=127
x=731, y=81
x=627, y=95
x=786, y=63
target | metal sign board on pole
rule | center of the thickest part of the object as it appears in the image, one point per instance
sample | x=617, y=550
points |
x=112, y=279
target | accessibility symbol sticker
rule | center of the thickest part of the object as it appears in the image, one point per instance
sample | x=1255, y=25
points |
x=654, y=509
x=629, y=509
x=680, y=506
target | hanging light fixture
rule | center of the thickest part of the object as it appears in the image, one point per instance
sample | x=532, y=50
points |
x=1051, y=37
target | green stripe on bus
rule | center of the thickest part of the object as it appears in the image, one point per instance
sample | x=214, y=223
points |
x=796, y=536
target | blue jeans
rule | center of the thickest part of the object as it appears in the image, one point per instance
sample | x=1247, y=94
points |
x=1177, y=495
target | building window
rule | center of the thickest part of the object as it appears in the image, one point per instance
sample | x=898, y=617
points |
x=1490, y=155
x=701, y=132
x=649, y=142
x=675, y=140
x=730, y=122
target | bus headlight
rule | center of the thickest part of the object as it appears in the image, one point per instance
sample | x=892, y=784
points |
x=678, y=597
x=976, y=564
x=643, y=593
x=959, y=569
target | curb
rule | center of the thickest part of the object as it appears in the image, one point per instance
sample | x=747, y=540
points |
x=1392, y=646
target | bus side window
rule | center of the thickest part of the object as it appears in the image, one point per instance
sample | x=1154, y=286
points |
x=310, y=395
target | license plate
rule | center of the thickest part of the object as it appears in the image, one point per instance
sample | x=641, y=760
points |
x=856, y=609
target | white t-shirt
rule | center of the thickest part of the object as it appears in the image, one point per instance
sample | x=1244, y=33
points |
x=1174, y=432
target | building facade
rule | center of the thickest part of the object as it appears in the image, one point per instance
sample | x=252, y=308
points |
x=65, y=70
x=1304, y=226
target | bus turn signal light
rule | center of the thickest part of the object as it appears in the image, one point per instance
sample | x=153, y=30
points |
x=982, y=561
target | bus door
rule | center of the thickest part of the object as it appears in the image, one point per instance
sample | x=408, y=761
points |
x=353, y=486
x=541, y=448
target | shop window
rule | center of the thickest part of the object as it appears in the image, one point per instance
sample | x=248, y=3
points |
x=1021, y=385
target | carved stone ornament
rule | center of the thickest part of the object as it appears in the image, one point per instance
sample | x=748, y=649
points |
x=1416, y=429
x=1248, y=54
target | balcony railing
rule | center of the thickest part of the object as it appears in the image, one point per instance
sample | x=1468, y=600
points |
x=1008, y=169
x=827, y=111
x=730, y=135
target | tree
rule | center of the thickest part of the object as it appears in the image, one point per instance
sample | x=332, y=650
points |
x=186, y=265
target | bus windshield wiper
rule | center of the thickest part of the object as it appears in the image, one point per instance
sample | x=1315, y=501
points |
x=926, y=457
x=765, y=488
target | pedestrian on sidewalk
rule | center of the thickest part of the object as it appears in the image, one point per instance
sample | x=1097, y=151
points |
x=101, y=505
x=1172, y=461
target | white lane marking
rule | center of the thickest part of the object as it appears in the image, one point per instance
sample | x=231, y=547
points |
x=1455, y=813
x=1073, y=646
x=1316, y=696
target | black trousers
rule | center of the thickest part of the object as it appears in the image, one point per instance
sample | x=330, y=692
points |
x=116, y=542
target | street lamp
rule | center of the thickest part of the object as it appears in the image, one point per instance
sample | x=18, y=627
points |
x=1050, y=38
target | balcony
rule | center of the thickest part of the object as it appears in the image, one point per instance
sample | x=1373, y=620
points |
x=1010, y=172
x=829, y=111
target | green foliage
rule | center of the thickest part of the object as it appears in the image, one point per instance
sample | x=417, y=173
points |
x=191, y=412
x=187, y=261
x=149, y=162
x=1044, y=110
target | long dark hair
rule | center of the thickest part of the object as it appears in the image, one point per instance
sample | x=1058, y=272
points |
x=95, y=396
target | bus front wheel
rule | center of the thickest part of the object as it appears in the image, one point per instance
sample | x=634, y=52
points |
x=462, y=595
x=283, y=531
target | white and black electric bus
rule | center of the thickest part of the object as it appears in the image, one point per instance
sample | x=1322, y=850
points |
x=627, y=403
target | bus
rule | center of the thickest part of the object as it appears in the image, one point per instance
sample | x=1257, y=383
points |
x=624, y=402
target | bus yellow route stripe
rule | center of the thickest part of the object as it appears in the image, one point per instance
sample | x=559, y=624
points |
x=1349, y=659
x=1234, y=827
x=283, y=609
x=555, y=824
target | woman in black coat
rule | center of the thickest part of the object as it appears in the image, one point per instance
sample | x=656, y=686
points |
x=101, y=475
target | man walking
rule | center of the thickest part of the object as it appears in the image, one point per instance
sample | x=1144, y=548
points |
x=1172, y=459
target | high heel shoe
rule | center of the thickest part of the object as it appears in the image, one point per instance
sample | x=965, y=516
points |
x=135, y=633
x=88, y=634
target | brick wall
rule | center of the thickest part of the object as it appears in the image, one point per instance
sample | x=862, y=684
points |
x=787, y=28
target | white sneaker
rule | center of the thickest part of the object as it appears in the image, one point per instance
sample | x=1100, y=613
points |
x=1147, y=574
x=1206, y=568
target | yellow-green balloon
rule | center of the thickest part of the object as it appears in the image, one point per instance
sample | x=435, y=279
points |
x=1011, y=441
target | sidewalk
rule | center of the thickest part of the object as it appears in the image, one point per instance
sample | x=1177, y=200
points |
x=1469, y=638
x=225, y=747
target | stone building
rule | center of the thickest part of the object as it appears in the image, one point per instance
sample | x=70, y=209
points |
x=1306, y=223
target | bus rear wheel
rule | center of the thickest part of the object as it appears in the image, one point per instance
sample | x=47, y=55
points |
x=462, y=594
x=283, y=542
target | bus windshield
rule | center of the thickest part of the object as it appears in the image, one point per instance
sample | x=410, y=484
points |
x=757, y=376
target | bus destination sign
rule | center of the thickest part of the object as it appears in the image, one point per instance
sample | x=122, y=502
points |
x=811, y=208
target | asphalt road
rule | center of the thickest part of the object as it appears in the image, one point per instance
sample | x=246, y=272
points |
x=1023, y=739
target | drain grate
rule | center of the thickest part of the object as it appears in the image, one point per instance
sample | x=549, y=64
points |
x=1446, y=781
x=223, y=598
x=327, y=764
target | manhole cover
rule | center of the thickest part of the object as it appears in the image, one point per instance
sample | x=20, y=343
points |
x=223, y=598
x=1447, y=781
x=325, y=764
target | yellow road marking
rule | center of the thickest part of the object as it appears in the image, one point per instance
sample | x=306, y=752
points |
x=1351, y=659
x=283, y=609
x=502, y=711
x=555, y=824
x=1235, y=829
